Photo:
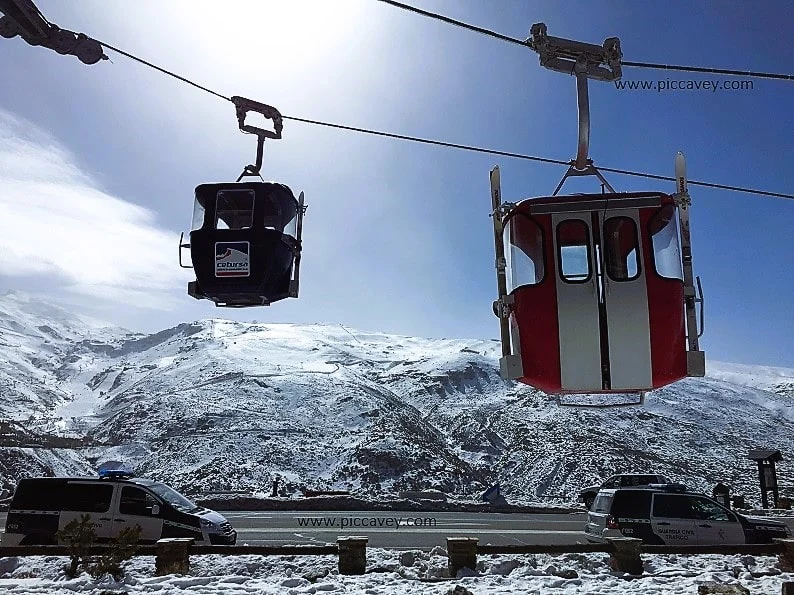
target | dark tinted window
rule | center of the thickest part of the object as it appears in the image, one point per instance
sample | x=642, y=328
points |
x=59, y=495
x=234, y=209
x=136, y=501
x=672, y=506
x=32, y=494
x=86, y=497
x=632, y=504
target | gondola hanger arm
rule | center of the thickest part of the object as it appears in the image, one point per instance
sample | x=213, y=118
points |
x=242, y=107
x=584, y=61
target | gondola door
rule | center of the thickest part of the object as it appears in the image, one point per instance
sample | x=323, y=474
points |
x=577, y=302
x=625, y=317
x=602, y=302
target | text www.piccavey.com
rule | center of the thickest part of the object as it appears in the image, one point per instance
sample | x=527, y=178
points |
x=366, y=522
x=662, y=85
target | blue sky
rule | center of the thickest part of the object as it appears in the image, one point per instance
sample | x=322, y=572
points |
x=98, y=163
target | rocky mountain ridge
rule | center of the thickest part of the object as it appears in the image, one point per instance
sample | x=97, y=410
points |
x=216, y=406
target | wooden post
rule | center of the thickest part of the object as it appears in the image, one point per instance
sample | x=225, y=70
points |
x=788, y=588
x=462, y=553
x=786, y=557
x=625, y=555
x=352, y=555
x=173, y=556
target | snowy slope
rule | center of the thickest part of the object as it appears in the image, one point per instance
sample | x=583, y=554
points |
x=220, y=406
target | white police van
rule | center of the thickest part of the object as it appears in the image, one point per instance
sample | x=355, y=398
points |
x=41, y=506
x=669, y=514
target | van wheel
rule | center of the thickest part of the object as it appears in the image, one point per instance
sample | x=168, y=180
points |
x=588, y=502
x=38, y=540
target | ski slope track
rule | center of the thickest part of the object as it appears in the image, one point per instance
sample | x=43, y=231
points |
x=215, y=407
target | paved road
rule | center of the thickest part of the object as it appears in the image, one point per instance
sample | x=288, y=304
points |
x=401, y=530
x=405, y=530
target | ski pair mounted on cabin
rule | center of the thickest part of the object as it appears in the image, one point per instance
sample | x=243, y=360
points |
x=596, y=291
x=245, y=239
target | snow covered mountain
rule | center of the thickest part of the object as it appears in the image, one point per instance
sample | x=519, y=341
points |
x=219, y=406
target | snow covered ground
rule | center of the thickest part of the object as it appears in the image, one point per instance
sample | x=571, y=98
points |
x=402, y=573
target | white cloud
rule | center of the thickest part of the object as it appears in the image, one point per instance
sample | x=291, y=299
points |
x=57, y=222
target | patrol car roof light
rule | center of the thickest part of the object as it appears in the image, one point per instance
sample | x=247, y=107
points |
x=114, y=470
x=115, y=474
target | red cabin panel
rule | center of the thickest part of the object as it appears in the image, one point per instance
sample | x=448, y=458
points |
x=665, y=313
x=536, y=309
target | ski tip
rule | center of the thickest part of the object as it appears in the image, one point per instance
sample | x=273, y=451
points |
x=680, y=171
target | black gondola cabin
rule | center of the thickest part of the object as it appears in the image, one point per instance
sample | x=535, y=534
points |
x=245, y=243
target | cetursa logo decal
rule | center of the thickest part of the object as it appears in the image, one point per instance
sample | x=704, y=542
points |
x=232, y=259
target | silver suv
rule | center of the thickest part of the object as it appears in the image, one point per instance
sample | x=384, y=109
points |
x=672, y=515
x=623, y=480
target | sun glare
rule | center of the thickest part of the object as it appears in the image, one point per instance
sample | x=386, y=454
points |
x=266, y=36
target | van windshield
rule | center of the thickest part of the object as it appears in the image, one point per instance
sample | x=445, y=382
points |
x=173, y=497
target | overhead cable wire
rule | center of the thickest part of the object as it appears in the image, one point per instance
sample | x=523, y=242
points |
x=488, y=151
x=528, y=44
x=457, y=23
x=703, y=69
x=440, y=143
x=163, y=70
x=430, y=141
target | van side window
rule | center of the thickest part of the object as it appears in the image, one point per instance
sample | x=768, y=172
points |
x=136, y=501
x=632, y=504
x=672, y=506
x=86, y=497
x=706, y=510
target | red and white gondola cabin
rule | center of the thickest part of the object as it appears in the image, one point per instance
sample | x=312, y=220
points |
x=597, y=292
